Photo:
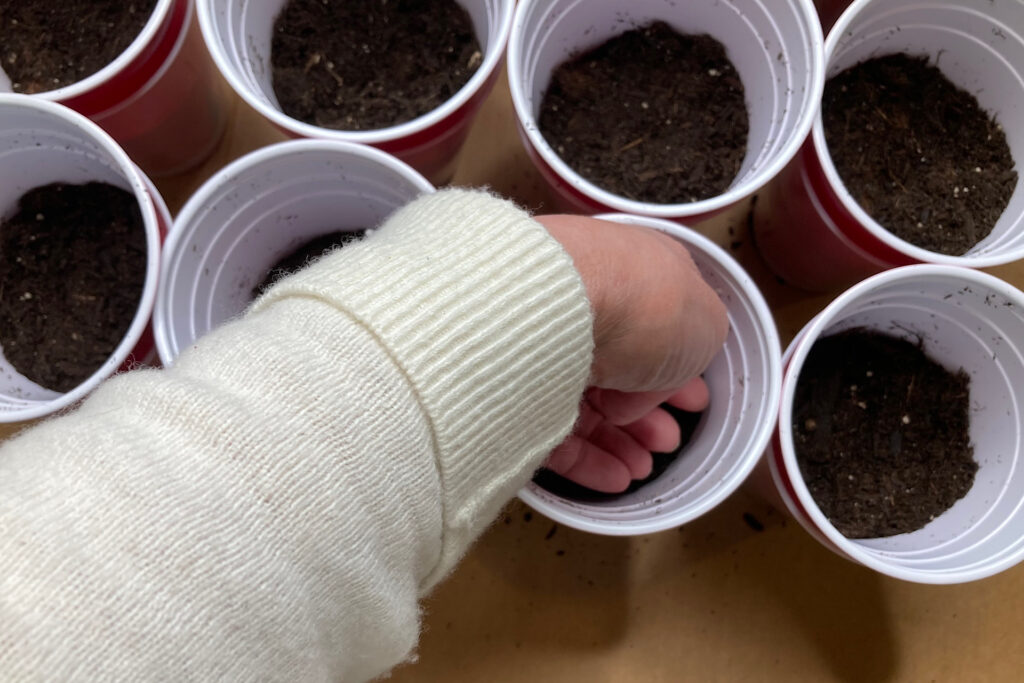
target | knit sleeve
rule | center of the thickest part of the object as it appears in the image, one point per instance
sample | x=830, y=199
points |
x=272, y=507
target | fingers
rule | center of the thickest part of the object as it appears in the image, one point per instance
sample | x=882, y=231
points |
x=617, y=432
x=623, y=408
x=600, y=455
x=591, y=466
x=693, y=397
x=657, y=431
x=612, y=440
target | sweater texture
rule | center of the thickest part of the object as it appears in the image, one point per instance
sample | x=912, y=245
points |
x=273, y=506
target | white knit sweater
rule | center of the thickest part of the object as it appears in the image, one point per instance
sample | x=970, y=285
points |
x=273, y=506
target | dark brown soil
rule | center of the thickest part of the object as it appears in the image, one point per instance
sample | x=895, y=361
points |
x=560, y=486
x=305, y=255
x=881, y=434
x=917, y=153
x=368, y=64
x=45, y=45
x=72, y=268
x=650, y=115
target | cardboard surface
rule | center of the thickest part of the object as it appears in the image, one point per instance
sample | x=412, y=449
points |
x=742, y=594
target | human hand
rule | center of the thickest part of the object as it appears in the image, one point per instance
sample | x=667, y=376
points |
x=657, y=326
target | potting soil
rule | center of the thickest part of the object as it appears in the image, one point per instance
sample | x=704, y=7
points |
x=45, y=45
x=918, y=154
x=651, y=115
x=306, y=255
x=560, y=486
x=366, y=64
x=72, y=268
x=882, y=433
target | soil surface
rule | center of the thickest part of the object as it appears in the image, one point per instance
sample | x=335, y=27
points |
x=561, y=486
x=45, y=45
x=72, y=268
x=650, y=115
x=917, y=153
x=368, y=64
x=881, y=434
x=305, y=255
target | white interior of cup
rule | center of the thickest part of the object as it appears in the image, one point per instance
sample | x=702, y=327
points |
x=239, y=34
x=744, y=382
x=964, y=319
x=979, y=46
x=134, y=49
x=255, y=212
x=774, y=44
x=43, y=143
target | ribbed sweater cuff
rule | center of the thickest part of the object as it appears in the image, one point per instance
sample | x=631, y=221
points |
x=483, y=311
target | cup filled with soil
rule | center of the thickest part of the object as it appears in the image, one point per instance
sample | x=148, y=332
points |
x=663, y=109
x=406, y=76
x=139, y=69
x=899, y=438
x=916, y=155
x=263, y=217
x=720, y=446
x=80, y=231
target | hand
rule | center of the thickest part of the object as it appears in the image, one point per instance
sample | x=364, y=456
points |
x=657, y=326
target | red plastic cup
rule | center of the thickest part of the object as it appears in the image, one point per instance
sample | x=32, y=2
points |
x=815, y=235
x=43, y=143
x=238, y=34
x=963, y=319
x=776, y=47
x=160, y=99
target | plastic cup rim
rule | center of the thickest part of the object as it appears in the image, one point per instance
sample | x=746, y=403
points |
x=111, y=70
x=150, y=221
x=759, y=440
x=494, y=54
x=797, y=353
x=161, y=324
x=527, y=123
x=837, y=185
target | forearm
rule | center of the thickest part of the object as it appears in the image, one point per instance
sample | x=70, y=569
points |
x=273, y=506
x=219, y=519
